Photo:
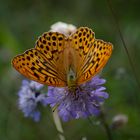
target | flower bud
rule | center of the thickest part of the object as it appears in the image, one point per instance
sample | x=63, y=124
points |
x=119, y=121
x=63, y=28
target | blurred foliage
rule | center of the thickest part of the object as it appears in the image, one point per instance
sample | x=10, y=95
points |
x=21, y=22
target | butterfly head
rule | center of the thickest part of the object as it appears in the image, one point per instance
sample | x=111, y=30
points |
x=71, y=78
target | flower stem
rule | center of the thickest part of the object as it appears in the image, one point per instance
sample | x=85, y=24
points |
x=105, y=125
x=58, y=125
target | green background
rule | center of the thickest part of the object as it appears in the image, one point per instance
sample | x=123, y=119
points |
x=21, y=22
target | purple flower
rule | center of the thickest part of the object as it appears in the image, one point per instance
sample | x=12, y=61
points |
x=81, y=103
x=30, y=98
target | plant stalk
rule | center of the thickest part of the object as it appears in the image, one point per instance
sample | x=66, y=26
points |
x=58, y=125
x=105, y=124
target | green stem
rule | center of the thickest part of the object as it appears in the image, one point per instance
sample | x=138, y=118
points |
x=105, y=125
x=58, y=125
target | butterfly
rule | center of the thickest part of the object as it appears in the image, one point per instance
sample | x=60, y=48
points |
x=59, y=60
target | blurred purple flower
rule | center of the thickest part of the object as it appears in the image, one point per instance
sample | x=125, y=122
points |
x=30, y=98
x=86, y=102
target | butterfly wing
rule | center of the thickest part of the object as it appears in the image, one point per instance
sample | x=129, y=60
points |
x=41, y=63
x=92, y=54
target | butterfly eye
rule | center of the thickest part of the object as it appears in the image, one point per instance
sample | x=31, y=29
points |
x=71, y=77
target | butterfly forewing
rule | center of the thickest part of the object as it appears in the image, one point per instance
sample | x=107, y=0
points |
x=81, y=42
x=52, y=45
x=42, y=63
x=92, y=54
x=97, y=60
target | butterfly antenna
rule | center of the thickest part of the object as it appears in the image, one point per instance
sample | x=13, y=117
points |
x=123, y=41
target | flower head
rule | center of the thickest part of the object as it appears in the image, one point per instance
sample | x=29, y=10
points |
x=30, y=98
x=63, y=28
x=81, y=103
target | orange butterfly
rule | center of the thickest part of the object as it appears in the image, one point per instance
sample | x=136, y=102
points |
x=62, y=61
